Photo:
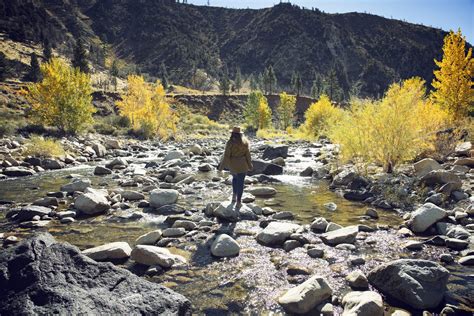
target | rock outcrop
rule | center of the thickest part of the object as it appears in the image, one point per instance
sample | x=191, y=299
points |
x=42, y=276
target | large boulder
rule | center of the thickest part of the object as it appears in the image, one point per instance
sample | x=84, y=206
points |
x=303, y=298
x=276, y=233
x=346, y=235
x=225, y=246
x=92, y=202
x=425, y=166
x=56, y=278
x=161, y=197
x=362, y=304
x=463, y=149
x=425, y=216
x=440, y=177
x=262, y=191
x=264, y=167
x=419, y=283
x=117, y=163
x=18, y=172
x=149, y=238
x=110, y=251
x=52, y=164
x=275, y=151
x=99, y=149
x=77, y=185
x=131, y=195
x=174, y=154
x=228, y=211
x=344, y=177
x=27, y=213
x=151, y=256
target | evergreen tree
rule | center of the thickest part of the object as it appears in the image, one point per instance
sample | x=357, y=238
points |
x=266, y=81
x=318, y=86
x=253, y=83
x=238, y=80
x=164, y=76
x=293, y=82
x=47, y=51
x=333, y=88
x=261, y=81
x=114, y=73
x=224, y=82
x=34, y=73
x=297, y=83
x=80, y=57
x=4, y=69
x=272, y=80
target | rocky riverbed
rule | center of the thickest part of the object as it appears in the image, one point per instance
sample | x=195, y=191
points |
x=311, y=236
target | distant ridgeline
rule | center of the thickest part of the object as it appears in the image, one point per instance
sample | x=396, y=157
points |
x=364, y=53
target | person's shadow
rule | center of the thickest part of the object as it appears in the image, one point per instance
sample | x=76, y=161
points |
x=202, y=256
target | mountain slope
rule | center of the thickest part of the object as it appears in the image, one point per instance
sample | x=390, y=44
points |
x=363, y=48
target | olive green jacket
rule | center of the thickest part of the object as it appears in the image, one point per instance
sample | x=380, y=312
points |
x=236, y=158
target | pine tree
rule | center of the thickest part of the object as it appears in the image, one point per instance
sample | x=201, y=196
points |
x=297, y=83
x=47, y=52
x=293, y=82
x=253, y=83
x=224, y=82
x=333, y=89
x=114, y=73
x=80, y=57
x=238, y=80
x=34, y=73
x=261, y=81
x=453, y=81
x=272, y=80
x=4, y=68
x=164, y=76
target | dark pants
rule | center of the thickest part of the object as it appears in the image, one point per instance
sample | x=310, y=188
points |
x=238, y=185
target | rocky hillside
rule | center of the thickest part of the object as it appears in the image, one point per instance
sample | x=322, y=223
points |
x=363, y=48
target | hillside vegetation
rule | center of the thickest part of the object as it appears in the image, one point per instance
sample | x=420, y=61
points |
x=363, y=53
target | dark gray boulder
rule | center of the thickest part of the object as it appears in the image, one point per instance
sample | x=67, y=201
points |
x=420, y=284
x=275, y=151
x=42, y=276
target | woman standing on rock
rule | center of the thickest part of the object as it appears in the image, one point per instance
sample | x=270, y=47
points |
x=237, y=159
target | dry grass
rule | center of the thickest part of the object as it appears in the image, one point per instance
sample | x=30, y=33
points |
x=38, y=146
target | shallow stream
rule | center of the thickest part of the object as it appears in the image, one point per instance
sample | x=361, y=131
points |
x=251, y=282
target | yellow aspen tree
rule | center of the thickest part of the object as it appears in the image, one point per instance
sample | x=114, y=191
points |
x=319, y=117
x=264, y=114
x=63, y=99
x=286, y=110
x=146, y=107
x=453, y=80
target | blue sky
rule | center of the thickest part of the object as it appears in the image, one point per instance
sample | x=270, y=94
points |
x=444, y=14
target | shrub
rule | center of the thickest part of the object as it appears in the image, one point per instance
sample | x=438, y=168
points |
x=43, y=147
x=319, y=117
x=7, y=128
x=286, y=110
x=63, y=98
x=146, y=108
x=395, y=129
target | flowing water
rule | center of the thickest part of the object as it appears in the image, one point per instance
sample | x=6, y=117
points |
x=251, y=282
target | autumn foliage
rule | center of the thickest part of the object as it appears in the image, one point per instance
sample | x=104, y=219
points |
x=392, y=130
x=257, y=113
x=63, y=98
x=146, y=107
x=319, y=117
x=286, y=110
x=453, y=80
